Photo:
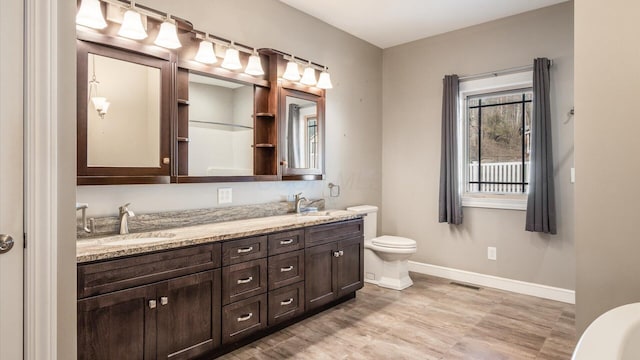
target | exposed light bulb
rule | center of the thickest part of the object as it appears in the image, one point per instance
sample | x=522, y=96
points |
x=90, y=15
x=324, y=82
x=309, y=76
x=132, y=27
x=254, y=66
x=168, y=35
x=291, y=72
x=232, y=58
x=205, y=54
x=101, y=105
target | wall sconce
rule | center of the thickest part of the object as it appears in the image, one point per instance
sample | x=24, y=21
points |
x=205, y=54
x=100, y=103
x=291, y=72
x=90, y=15
x=254, y=67
x=168, y=35
x=324, y=82
x=309, y=76
x=132, y=26
x=232, y=58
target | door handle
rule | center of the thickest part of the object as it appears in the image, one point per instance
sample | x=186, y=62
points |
x=6, y=243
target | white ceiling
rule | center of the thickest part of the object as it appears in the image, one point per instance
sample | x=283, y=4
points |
x=387, y=23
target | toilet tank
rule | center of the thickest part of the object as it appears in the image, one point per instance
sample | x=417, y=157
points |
x=370, y=219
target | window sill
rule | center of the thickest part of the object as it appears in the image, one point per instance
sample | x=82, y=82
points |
x=495, y=201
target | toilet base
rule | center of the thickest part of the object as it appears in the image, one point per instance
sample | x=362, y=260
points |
x=395, y=275
x=395, y=284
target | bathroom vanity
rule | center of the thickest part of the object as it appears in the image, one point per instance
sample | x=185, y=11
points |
x=201, y=291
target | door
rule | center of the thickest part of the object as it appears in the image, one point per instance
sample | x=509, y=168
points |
x=119, y=325
x=189, y=315
x=321, y=274
x=350, y=269
x=11, y=183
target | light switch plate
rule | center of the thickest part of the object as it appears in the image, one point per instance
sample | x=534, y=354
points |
x=492, y=253
x=225, y=196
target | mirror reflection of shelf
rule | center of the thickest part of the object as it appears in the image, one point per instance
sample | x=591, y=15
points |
x=262, y=114
x=183, y=102
x=265, y=145
x=222, y=124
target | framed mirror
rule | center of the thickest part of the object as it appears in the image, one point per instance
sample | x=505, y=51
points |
x=123, y=116
x=220, y=127
x=302, y=135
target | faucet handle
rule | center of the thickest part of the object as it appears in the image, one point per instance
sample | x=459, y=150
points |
x=124, y=207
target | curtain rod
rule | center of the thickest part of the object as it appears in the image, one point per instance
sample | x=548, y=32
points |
x=499, y=72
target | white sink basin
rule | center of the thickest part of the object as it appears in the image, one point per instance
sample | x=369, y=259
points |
x=137, y=239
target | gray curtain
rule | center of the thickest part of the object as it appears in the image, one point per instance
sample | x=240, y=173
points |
x=294, y=147
x=450, y=207
x=541, y=204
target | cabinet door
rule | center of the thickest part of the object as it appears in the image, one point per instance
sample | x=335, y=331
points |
x=350, y=265
x=320, y=275
x=189, y=315
x=119, y=325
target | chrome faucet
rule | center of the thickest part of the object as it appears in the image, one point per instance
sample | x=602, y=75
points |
x=299, y=199
x=125, y=214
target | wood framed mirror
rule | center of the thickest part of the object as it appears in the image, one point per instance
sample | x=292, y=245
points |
x=124, y=116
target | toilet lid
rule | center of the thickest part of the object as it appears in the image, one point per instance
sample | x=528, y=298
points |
x=394, y=242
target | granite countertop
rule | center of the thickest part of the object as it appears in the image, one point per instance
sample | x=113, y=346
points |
x=137, y=243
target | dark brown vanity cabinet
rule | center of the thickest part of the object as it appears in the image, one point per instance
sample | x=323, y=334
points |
x=176, y=318
x=334, y=260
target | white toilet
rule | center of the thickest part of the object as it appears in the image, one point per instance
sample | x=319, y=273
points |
x=385, y=257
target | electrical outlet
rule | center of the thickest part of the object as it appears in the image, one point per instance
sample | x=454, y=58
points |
x=492, y=253
x=225, y=196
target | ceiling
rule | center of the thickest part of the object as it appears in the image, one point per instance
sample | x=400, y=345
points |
x=386, y=23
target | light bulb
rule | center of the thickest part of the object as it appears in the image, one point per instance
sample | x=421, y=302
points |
x=205, y=54
x=132, y=27
x=231, y=59
x=254, y=67
x=324, y=82
x=309, y=76
x=168, y=36
x=291, y=72
x=90, y=15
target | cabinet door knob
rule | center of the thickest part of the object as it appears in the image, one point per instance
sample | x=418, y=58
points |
x=336, y=254
x=164, y=300
x=152, y=304
x=286, y=242
x=244, y=281
x=286, y=302
x=245, y=250
x=341, y=252
x=285, y=269
x=245, y=317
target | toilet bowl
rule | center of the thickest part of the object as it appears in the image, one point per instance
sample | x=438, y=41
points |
x=385, y=257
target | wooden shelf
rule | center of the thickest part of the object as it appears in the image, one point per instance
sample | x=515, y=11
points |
x=265, y=146
x=183, y=102
x=264, y=114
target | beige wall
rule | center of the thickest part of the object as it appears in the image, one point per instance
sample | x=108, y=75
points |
x=412, y=101
x=607, y=128
x=353, y=109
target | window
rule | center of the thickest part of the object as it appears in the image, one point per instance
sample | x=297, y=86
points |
x=495, y=132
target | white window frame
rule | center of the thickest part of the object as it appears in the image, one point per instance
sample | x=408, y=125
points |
x=471, y=87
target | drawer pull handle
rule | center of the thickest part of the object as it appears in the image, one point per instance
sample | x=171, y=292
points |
x=152, y=304
x=245, y=250
x=285, y=269
x=245, y=318
x=164, y=300
x=286, y=302
x=244, y=281
x=286, y=242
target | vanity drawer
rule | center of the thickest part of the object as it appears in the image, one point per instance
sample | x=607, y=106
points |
x=112, y=275
x=243, y=318
x=286, y=269
x=244, y=280
x=322, y=234
x=237, y=251
x=286, y=303
x=286, y=241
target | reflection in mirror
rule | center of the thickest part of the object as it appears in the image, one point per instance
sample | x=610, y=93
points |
x=302, y=133
x=123, y=114
x=220, y=127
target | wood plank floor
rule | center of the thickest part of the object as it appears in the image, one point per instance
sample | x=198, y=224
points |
x=433, y=319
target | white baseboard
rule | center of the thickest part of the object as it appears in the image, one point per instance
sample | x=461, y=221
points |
x=517, y=286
